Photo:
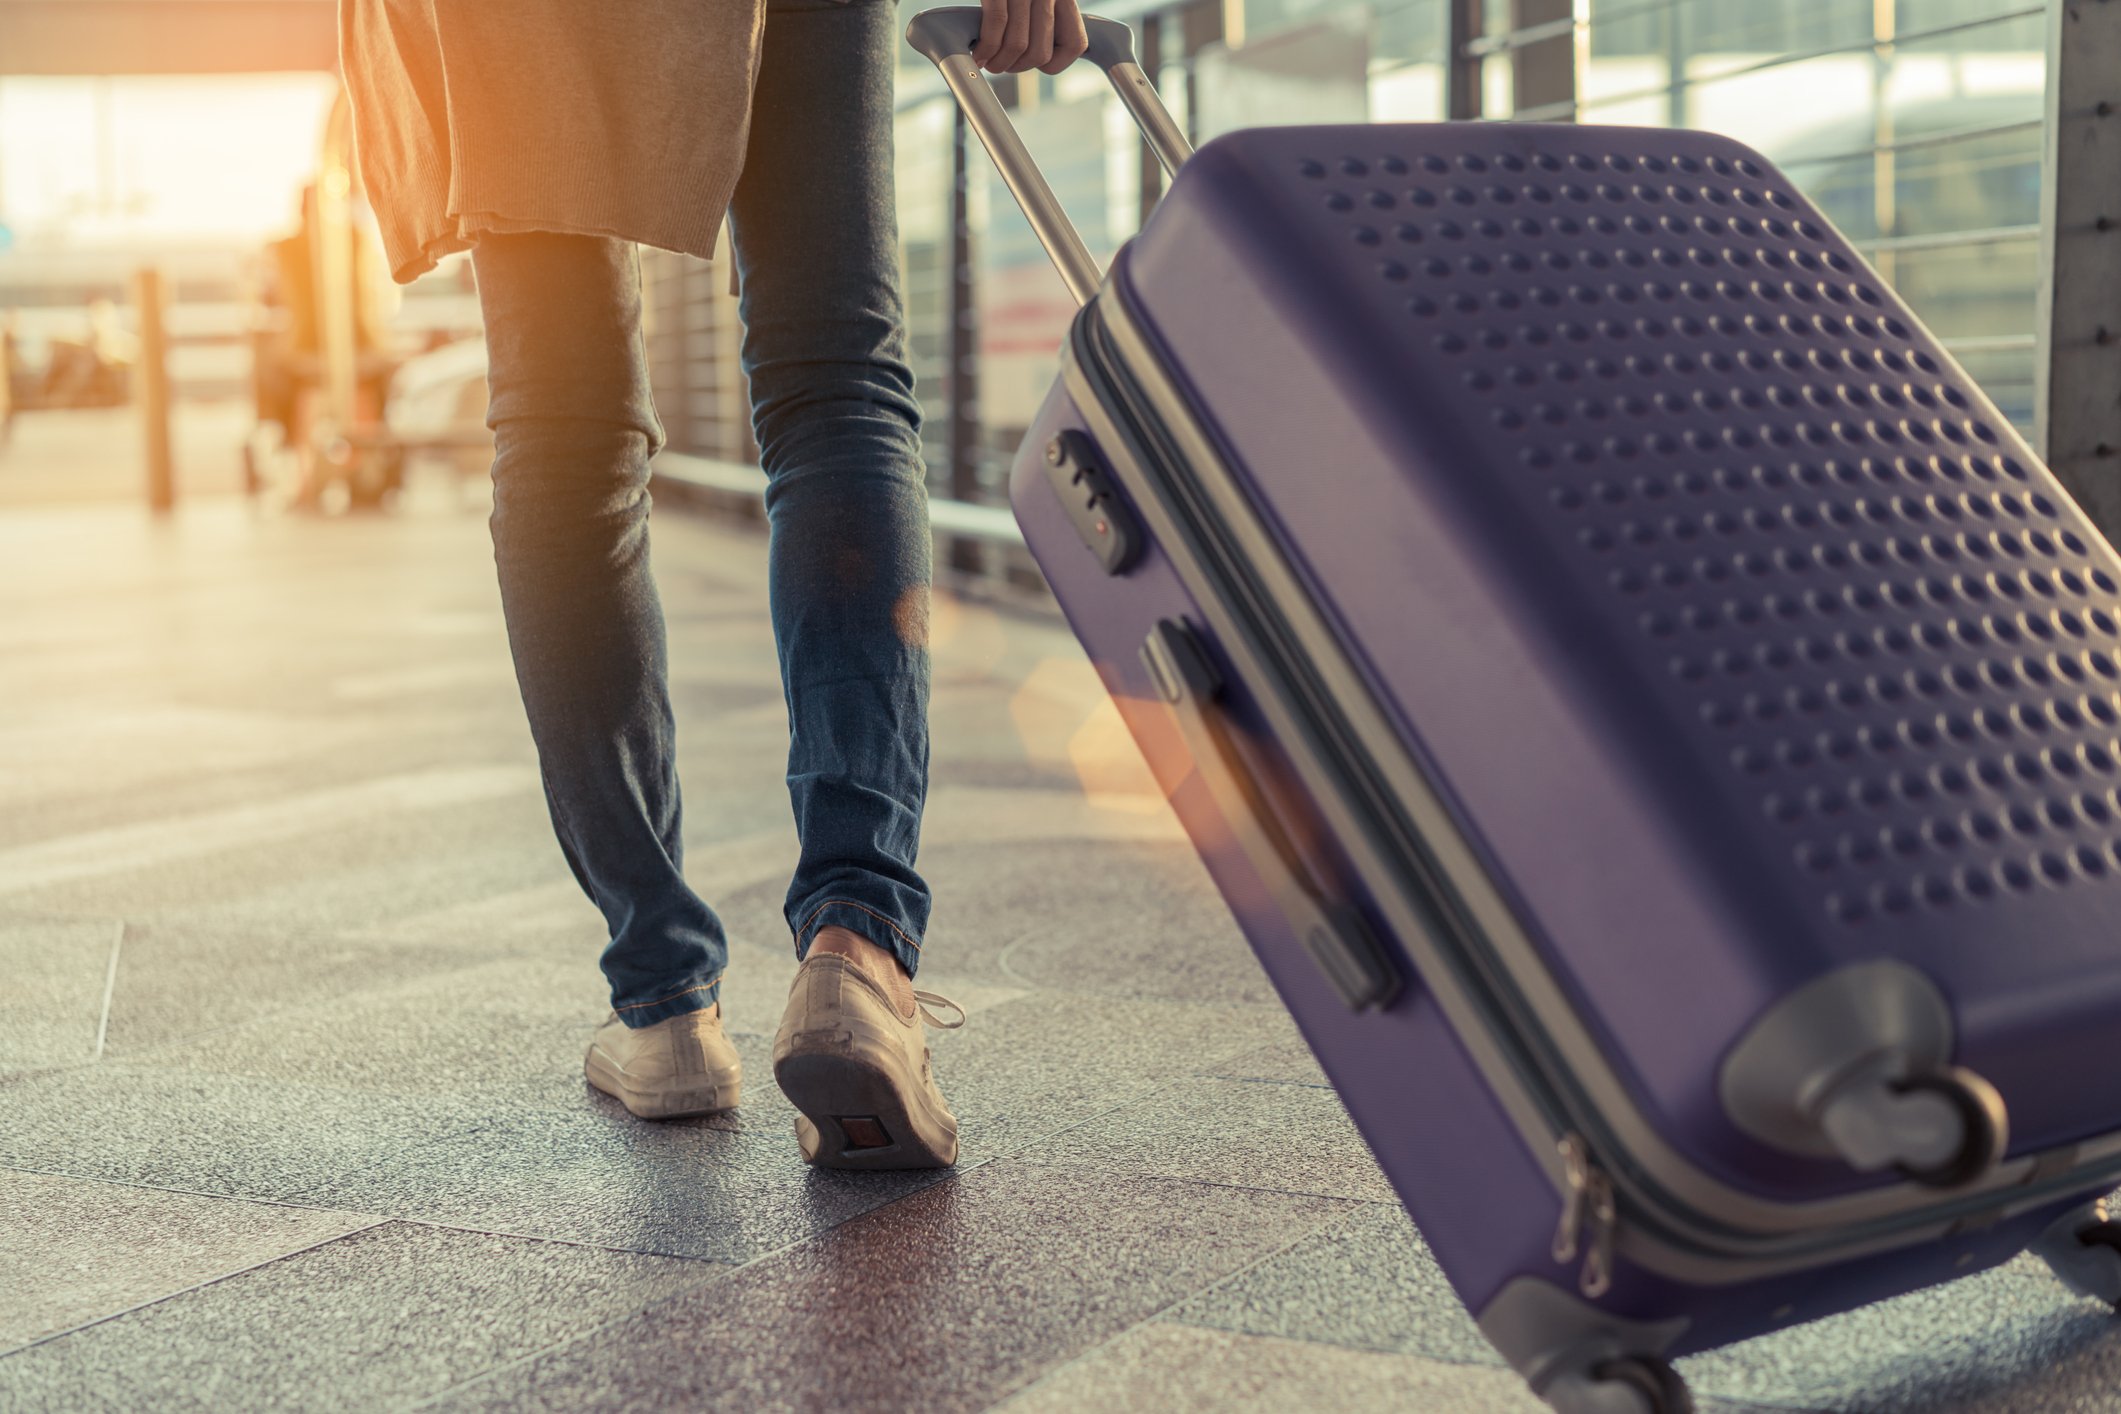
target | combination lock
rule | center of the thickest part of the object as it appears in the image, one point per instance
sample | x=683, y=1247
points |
x=1094, y=506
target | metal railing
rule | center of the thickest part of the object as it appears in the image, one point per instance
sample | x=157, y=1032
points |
x=1919, y=218
x=1872, y=44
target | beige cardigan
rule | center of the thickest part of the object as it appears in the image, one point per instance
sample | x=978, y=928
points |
x=621, y=118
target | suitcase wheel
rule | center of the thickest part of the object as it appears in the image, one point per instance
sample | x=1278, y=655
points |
x=2103, y=1240
x=1628, y=1384
x=1856, y=1065
x=1984, y=1129
x=2083, y=1249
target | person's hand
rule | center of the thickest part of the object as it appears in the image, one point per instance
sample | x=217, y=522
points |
x=1015, y=35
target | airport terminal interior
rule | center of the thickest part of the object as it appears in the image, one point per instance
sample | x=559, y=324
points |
x=295, y=983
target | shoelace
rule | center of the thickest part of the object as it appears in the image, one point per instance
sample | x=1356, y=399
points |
x=926, y=999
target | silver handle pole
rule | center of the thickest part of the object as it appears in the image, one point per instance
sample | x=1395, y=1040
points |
x=1141, y=101
x=947, y=35
x=1041, y=207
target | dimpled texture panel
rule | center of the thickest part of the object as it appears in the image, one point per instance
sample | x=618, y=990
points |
x=1896, y=637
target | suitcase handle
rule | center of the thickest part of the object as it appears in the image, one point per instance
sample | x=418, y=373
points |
x=946, y=37
x=1333, y=933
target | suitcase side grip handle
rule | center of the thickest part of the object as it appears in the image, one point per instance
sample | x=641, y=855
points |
x=1332, y=933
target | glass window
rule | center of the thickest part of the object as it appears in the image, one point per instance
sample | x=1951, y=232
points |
x=922, y=137
x=1315, y=73
x=1409, y=32
x=1924, y=151
x=1263, y=18
x=1024, y=309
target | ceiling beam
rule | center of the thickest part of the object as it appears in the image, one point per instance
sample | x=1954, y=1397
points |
x=167, y=36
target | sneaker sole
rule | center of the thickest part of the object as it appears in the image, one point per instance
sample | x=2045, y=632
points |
x=855, y=1114
x=714, y=1097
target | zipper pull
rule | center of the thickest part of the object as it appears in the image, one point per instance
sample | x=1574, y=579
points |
x=1588, y=1218
x=1576, y=1175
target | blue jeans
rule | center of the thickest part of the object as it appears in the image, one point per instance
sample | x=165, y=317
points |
x=816, y=242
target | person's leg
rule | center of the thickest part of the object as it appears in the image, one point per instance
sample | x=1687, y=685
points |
x=815, y=230
x=574, y=428
x=839, y=435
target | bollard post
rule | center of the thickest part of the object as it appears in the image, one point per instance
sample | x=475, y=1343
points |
x=333, y=271
x=150, y=299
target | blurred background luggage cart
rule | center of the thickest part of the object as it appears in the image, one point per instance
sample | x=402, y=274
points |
x=341, y=401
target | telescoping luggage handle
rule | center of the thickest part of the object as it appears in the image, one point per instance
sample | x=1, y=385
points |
x=947, y=35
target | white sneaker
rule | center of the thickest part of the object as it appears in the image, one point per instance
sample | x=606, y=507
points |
x=683, y=1065
x=858, y=1071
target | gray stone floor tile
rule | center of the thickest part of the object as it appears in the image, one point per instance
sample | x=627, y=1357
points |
x=973, y=725
x=1021, y=914
x=176, y=981
x=300, y=809
x=727, y=687
x=1110, y=917
x=385, y=1013
x=210, y=1133
x=368, y=872
x=74, y=1251
x=991, y=816
x=549, y=919
x=342, y=751
x=728, y=1188
x=955, y=768
x=493, y=1038
x=1293, y=1138
x=554, y=985
x=1162, y=929
x=70, y=769
x=1048, y=1061
x=1176, y=1369
x=1366, y=1281
x=1287, y=1062
x=945, y=1301
x=373, y=1320
x=2009, y=1341
x=52, y=1005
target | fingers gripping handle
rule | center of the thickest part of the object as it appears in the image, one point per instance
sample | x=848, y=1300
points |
x=946, y=36
x=938, y=34
x=954, y=29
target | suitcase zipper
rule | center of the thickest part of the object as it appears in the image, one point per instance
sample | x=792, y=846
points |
x=1589, y=1218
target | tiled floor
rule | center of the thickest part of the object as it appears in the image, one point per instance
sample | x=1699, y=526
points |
x=296, y=986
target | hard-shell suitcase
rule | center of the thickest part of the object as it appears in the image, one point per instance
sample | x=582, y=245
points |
x=1656, y=722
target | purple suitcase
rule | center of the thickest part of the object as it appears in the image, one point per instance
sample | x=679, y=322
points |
x=1656, y=722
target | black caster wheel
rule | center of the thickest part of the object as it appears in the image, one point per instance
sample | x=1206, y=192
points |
x=1653, y=1377
x=2105, y=1234
x=2083, y=1249
x=1987, y=1126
